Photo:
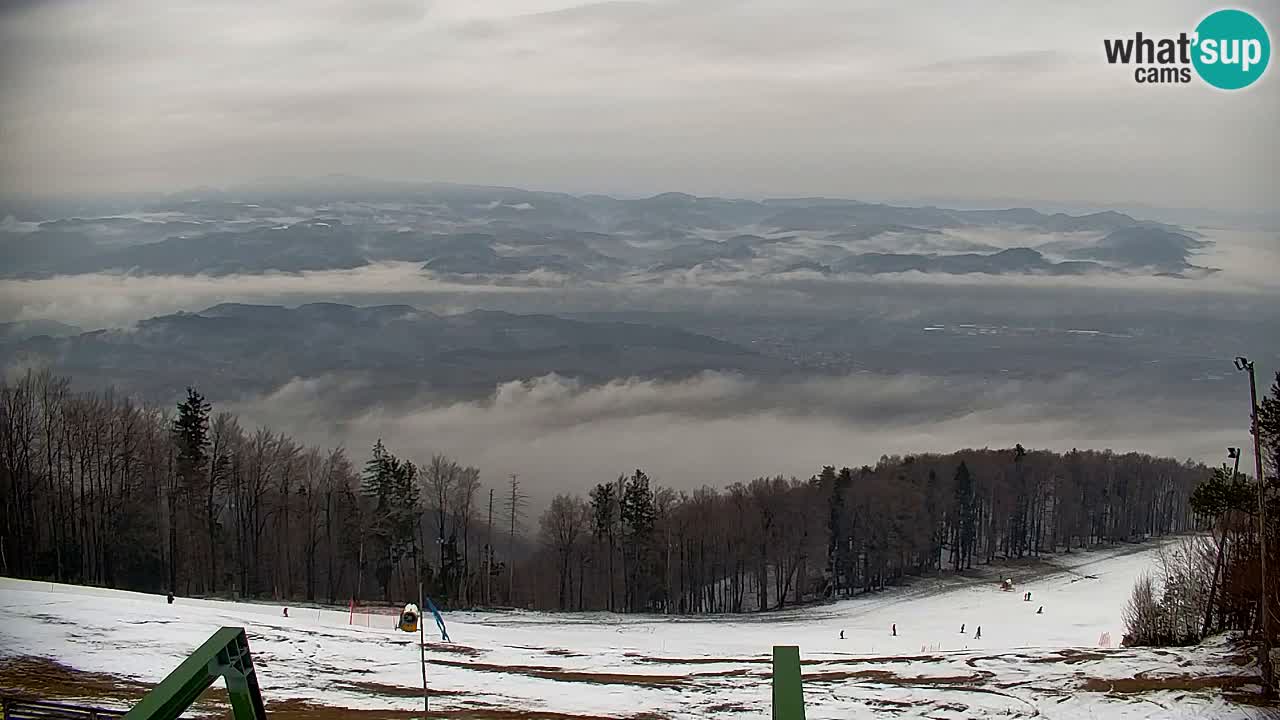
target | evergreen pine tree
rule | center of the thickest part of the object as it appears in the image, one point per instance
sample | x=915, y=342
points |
x=966, y=523
x=604, y=519
x=190, y=433
x=392, y=486
x=637, y=516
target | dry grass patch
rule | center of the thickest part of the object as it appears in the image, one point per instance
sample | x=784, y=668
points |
x=1176, y=682
x=45, y=679
x=382, y=689
x=699, y=660
x=884, y=677
x=1070, y=657
x=455, y=649
x=304, y=710
x=549, y=672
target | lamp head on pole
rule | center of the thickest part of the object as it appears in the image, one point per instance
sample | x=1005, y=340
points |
x=1233, y=453
x=1243, y=363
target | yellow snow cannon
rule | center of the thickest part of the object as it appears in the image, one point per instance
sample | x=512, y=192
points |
x=409, y=618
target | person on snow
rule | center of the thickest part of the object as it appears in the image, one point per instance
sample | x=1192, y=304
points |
x=841, y=634
x=286, y=612
x=895, y=629
x=170, y=597
x=961, y=628
x=978, y=635
x=1040, y=611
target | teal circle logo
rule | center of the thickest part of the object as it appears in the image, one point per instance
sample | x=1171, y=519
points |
x=1231, y=50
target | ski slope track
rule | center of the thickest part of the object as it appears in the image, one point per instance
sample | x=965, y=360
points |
x=595, y=665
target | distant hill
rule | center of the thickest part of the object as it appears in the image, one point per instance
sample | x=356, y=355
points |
x=1013, y=260
x=1144, y=247
x=236, y=348
x=343, y=223
x=24, y=329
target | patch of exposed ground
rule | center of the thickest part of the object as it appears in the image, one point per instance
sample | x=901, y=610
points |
x=732, y=707
x=303, y=710
x=549, y=672
x=877, y=660
x=1070, y=656
x=701, y=660
x=384, y=690
x=1177, y=682
x=1253, y=698
x=850, y=660
x=455, y=649
x=44, y=679
x=884, y=677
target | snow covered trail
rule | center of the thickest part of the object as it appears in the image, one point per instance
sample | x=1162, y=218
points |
x=594, y=665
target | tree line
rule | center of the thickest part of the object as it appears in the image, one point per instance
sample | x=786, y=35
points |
x=99, y=489
x=630, y=546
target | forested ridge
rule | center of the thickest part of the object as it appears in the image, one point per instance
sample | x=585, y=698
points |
x=102, y=490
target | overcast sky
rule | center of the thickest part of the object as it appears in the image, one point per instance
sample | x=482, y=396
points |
x=733, y=97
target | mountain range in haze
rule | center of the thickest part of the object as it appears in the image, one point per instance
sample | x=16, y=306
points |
x=479, y=234
x=233, y=349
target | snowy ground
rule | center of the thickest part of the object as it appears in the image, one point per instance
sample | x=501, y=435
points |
x=597, y=665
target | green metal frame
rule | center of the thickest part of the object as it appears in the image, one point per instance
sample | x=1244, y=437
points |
x=788, y=695
x=225, y=655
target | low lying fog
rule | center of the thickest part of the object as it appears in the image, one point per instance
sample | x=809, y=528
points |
x=717, y=429
x=90, y=301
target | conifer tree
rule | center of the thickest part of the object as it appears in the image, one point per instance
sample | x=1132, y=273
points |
x=190, y=432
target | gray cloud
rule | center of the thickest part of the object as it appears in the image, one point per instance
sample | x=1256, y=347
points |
x=1012, y=62
x=821, y=96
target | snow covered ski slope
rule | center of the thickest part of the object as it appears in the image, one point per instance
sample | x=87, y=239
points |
x=593, y=665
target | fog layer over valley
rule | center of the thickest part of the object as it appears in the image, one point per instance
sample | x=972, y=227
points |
x=708, y=340
x=716, y=429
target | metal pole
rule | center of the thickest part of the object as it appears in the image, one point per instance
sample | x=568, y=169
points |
x=488, y=560
x=422, y=648
x=1268, y=676
x=422, y=639
x=511, y=542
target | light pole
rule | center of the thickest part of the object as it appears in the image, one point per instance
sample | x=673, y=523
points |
x=1268, y=678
